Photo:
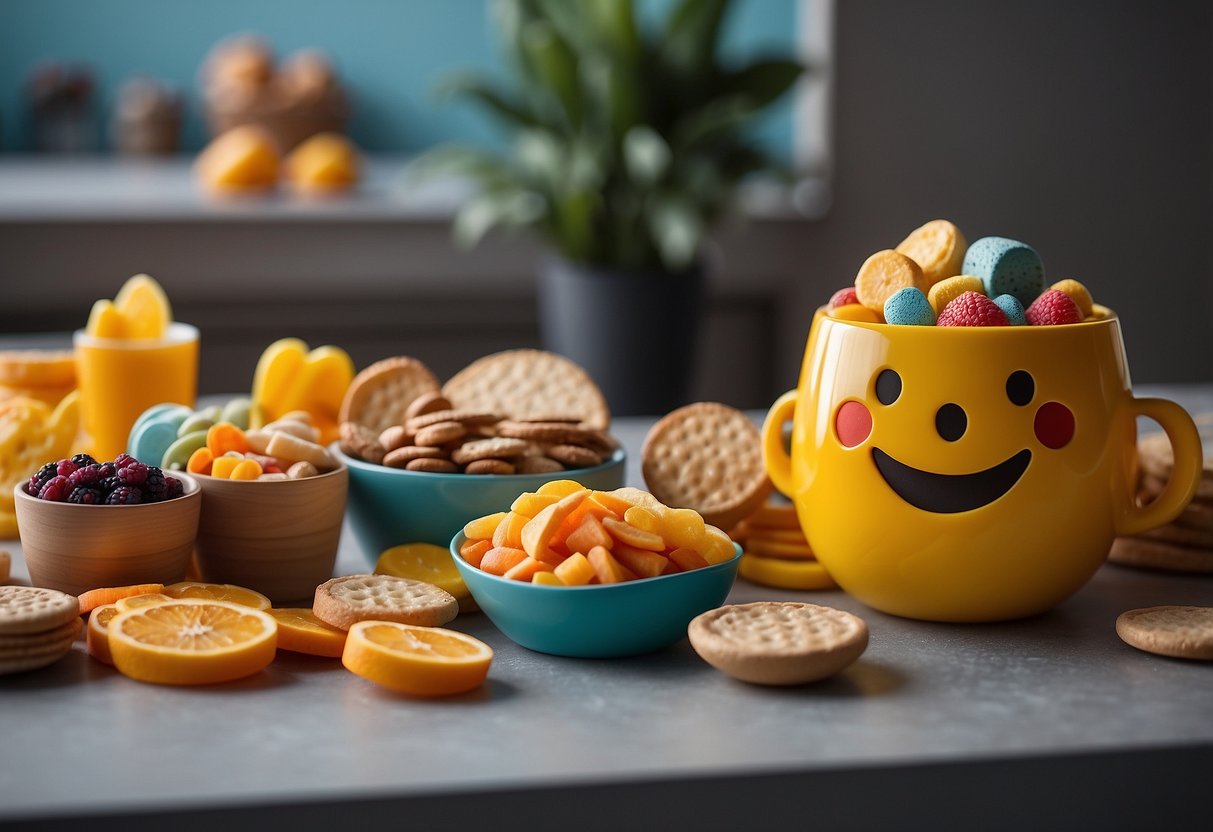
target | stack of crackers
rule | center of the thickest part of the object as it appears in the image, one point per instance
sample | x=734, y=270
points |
x=1185, y=544
x=37, y=627
x=514, y=412
x=777, y=554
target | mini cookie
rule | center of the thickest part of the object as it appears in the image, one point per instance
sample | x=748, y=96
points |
x=529, y=384
x=559, y=433
x=490, y=466
x=28, y=609
x=467, y=418
x=537, y=465
x=379, y=395
x=397, y=436
x=341, y=602
x=440, y=433
x=1178, y=631
x=360, y=442
x=574, y=456
x=1155, y=554
x=37, y=641
x=432, y=465
x=708, y=457
x=401, y=457
x=500, y=447
x=778, y=643
x=426, y=403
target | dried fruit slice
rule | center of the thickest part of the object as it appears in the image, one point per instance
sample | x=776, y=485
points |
x=300, y=631
x=144, y=307
x=218, y=592
x=192, y=642
x=105, y=321
x=422, y=661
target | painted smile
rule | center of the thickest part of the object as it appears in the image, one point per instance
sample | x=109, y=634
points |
x=950, y=493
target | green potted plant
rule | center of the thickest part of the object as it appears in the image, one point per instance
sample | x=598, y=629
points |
x=628, y=144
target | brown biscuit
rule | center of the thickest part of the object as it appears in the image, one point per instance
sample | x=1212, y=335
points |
x=500, y=447
x=1157, y=457
x=537, y=465
x=397, y=436
x=1178, y=631
x=1154, y=554
x=778, y=643
x=360, y=442
x=467, y=418
x=498, y=467
x=341, y=602
x=708, y=457
x=28, y=609
x=380, y=394
x=432, y=466
x=574, y=456
x=20, y=664
x=555, y=432
x=440, y=433
x=1183, y=535
x=528, y=384
x=426, y=403
x=33, y=641
x=401, y=457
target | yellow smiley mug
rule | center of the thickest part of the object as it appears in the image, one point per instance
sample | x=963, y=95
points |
x=969, y=473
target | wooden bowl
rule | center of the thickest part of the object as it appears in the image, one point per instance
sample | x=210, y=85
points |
x=277, y=537
x=74, y=548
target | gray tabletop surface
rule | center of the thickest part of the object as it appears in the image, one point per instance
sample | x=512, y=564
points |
x=1050, y=721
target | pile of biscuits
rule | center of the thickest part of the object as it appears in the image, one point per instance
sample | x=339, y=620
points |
x=514, y=412
x=1186, y=543
x=37, y=627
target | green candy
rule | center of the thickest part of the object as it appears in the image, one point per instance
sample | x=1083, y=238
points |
x=178, y=453
x=237, y=412
x=198, y=422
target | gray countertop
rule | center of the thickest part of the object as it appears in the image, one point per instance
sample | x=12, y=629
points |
x=1049, y=721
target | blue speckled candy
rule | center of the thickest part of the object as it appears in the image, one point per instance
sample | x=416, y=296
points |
x=1006, y=267
x=909, y=307
x=1012, y=308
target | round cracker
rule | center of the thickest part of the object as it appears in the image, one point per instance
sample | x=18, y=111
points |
x=496, y=467
x=499, y=447
x=1179, y=631
x=426, y=403
x=31, y=609
x=440, y=433
x=708, y=457
x=401, y=457
x=529, y=384
x=379, y=395
x=1154, y=554
x=573, y=456
x=36, y=641
x=432, y=465
x=20, y=665
x=360, y=442
x=778, y=643
x=537, y=465
x=341, y=602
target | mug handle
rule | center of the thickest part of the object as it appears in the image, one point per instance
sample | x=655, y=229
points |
x=1185, y=473
x=777, y=461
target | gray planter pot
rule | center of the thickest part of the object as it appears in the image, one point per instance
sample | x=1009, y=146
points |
x=634, y=332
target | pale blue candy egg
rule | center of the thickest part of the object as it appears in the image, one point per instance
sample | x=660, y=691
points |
x=1006, y=267
x=1012, y=308
x=909, y=307
x=151, y=438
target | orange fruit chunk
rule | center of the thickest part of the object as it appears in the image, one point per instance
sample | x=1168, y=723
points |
x=421, y=661
x=229, y=593
x=192, y=641
x=482, y=528
x=94, y=598
x=302, y=632
x=144, y=308
x=96, y=636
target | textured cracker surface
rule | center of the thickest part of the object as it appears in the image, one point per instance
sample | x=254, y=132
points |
x=380, y=394
x=529, y=384
x=1180, y=631
x=342, y=601
x=781, y=629
x=25, y=609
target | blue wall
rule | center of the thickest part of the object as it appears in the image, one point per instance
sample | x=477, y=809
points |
x=391, y=54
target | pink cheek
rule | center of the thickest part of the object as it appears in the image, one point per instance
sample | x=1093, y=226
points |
x=853, y=424
x=1054, y=425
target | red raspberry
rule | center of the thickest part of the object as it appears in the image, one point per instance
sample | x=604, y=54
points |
x=133, y=473
x=88, y=475
x=65, y=467
x=972, y=309
x=55, y=490
x=843, y=297
x=123, y=460
x=1053, y=307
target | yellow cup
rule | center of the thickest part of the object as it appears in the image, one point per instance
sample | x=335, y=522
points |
x=119, y=378
x=969, y=473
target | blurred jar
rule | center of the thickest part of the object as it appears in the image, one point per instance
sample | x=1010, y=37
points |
x=62, y=118
x=147, y=118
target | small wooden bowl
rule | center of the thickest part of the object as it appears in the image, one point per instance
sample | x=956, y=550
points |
x=74, y=548
x=277, y=537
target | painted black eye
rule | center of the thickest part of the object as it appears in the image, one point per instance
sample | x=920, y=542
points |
x=888, y=386
x=951, y=422
x=1020, y=387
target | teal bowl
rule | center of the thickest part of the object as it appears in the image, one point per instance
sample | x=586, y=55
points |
x=390, y=506
x=599, y=621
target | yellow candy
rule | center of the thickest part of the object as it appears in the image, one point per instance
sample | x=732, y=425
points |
x=785, y=574
x=246, y=469
x=289, y=378
x=642, y=519
x=949, y=289
x=529, y=504
x=683, y=528
x=144, y=307
x=883, y=275
x=482, y=528
x=1077, y=293
x=856, y=312
x=224, y=466
x=717, y=546
x=938, y=248
x=559, y=488
x=105, y=321
x=547, y=579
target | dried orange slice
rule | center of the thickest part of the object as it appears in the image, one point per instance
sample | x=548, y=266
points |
x=423, y=562
x=148, y=599
x=218, y=592
x=105, y=321
x=96, y=637
x=302, y=632
x=422, y=661
x=192, y=642
x=145, y=307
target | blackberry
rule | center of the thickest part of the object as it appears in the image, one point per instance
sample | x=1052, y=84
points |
x=174, y=488
x=133, y=473
x=55, y=490
x=124, y=495
x=155, y=488
x=108, y=484
x=88, y=475
x=82, y=460
x=123, y=460
x=65, y=467
x=108, y=469
x=86, y=496
x=41, y=478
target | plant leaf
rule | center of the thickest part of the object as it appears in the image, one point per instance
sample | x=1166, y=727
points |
x=513, y=208
x=718, y=118
x=553, y=65
x=493, y=100
x=762, y=81
x=677, y=230
x=645, y=154
x=691, y=36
